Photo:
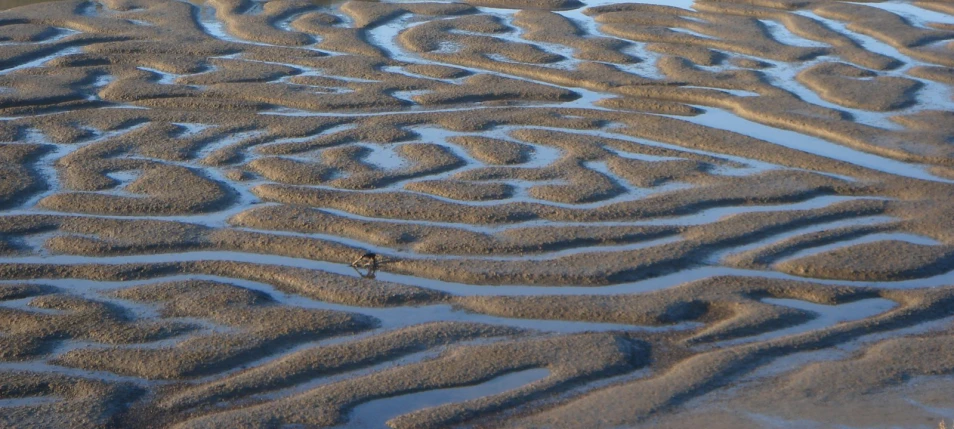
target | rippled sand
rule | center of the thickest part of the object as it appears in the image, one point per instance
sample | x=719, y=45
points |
x=662, y=214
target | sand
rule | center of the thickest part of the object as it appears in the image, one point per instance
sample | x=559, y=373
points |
x=18, y=179
x=540, y=213
x=854, y=87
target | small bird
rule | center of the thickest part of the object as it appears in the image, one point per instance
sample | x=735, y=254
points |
x=367, y=260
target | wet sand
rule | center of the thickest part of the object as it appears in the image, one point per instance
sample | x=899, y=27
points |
x=583, y=214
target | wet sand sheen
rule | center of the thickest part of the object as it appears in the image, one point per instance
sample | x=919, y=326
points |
x=9, y=4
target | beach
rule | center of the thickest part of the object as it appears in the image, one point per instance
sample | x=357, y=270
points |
x=481, y=214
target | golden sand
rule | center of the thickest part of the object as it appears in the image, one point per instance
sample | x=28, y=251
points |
x=238, y=213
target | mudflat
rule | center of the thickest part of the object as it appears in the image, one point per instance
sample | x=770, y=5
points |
x=565, y=214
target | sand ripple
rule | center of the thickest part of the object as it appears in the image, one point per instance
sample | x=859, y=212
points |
x=584, y=214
